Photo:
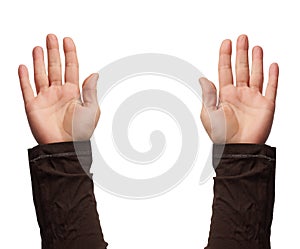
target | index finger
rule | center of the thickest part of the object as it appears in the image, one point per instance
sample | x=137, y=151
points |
x=225, y=69
x=71, y=62
x=271, y=90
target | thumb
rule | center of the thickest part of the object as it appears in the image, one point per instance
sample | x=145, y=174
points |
x=89, y=89
x=209, y=94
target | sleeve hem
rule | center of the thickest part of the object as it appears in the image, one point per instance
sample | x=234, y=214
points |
x=240, y=151
x=63, y=149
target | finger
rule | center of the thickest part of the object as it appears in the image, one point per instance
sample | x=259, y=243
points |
x=271, y=90
x=257, y=73
x=26, y=88
x=89, y=90
x=242, y=64
x=89, y=95
x=40, y=75
x=225, y=70
x=54, y=64
x=209, y=94
x=72, y=67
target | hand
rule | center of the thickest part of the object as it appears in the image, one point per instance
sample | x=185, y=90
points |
x=50, y=113
x=243, y=114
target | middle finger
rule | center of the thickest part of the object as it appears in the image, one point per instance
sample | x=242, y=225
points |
x=54, y=63
x=242, y=64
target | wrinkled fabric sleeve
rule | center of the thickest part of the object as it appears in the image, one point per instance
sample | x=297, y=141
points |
x=63, y=195
x=244, y=191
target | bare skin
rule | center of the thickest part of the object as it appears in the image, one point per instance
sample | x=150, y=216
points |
x=51, y=112
x=243, y=114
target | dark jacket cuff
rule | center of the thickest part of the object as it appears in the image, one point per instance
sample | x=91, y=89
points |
x=244, y=190
x=63, y=195
x=234, y=159
x=78, y=154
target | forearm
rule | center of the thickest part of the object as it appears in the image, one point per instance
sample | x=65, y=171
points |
x=64, y=197
x=244, y=191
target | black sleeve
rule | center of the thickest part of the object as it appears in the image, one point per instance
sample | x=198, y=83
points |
x=244, y=190
x=63, y=195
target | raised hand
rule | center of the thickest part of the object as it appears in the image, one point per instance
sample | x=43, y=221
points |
x=57, y=113
x=241, y=114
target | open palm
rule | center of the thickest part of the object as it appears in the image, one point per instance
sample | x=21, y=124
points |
x=57, y=113
x=242, y=114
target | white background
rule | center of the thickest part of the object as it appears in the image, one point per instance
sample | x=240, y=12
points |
x=105, y=31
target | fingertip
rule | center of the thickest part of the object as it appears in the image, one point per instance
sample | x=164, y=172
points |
x=96, y=76
x=206, y=84
x=68, y=41
x=68, y=38
x=242, y=37
x=274, y=66
x=274, y=70
x=257, y=51
x=91, y=81
x=51, y=37
x=202, y=80
x=227, y=41
x=51, y=41
x=226, y=46
x=94, y=79
x=22, y=70
x=68, y=44
x=242, y=42
x=37, y=51
x=93, y=76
